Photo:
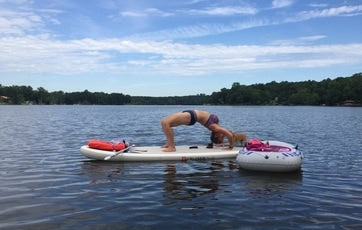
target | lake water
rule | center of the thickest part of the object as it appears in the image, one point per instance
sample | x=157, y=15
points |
x=47, y=184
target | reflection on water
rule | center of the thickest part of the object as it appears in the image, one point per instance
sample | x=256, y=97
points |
x=264, y=184
x=100, y=172
x=179, y=186
x=184, y=181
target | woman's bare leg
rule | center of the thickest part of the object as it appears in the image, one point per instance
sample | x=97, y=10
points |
x=168, y=131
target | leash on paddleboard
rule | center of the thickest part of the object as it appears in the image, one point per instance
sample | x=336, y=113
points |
x=119, y=152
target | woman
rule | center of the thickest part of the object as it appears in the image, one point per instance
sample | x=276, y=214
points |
x=190, y=117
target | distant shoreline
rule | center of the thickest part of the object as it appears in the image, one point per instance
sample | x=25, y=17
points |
x=342, y=91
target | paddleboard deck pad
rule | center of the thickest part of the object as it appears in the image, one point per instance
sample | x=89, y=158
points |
x=155, y=153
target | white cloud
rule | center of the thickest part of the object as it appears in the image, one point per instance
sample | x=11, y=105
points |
x=132, y=14
x=298, y=41
x=17, y=23
x=201, y=30
x=224, y=11
x=208, y=29
x=211, y=11
x=42, y=54
x=19, y=2
x=24, y=20
x=281, y=3
x=330, y=12
x=318, y=5
x=113, y=56
x=146, y=13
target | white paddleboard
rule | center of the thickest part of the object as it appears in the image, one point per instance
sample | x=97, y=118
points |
x=155, y=153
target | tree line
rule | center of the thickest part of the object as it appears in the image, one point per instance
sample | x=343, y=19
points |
x=26, y=95
x=338, y=91
x=199, y=99
x=326, y=92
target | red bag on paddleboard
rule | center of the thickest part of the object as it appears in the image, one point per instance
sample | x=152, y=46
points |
x=106, y=145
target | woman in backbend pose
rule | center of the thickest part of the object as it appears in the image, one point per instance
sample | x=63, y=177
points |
x=190, y=117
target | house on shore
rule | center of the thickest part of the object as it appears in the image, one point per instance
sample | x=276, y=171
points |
x=4, y=99
x=351, y=103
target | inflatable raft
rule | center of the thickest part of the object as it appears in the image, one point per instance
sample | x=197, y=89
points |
x=271, y=156
x=154, y=153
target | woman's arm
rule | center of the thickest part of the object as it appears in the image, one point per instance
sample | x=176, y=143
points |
x=227, y=134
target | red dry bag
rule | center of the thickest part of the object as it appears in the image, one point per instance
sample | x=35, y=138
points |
x=106, y=145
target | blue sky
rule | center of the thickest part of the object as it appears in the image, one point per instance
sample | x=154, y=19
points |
x=176, y=47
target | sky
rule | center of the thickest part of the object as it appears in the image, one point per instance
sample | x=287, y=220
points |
x=176, y=47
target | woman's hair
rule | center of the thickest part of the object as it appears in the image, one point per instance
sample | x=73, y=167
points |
x=214, y=138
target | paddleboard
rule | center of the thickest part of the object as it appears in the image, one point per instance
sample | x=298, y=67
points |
x=155, y=153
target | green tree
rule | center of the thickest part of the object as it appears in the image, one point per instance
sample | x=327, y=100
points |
x=42, y=96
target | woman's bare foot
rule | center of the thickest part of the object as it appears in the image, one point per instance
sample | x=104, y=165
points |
x=169, y=149
x=164, y=146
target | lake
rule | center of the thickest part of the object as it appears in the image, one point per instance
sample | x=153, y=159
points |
x=47, y=184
